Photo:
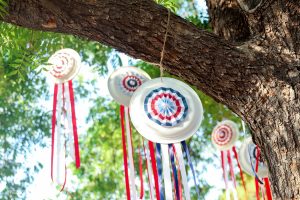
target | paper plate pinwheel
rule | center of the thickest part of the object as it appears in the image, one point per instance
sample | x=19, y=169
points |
x=63, y=67
x=167, y=111
x=224, y=136
x=122, y=83
x=252, y=164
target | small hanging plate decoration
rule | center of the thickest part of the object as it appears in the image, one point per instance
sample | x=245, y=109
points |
x=64, y=65
x=166, y=110
x=247, y=156
x=225, y=135
x=123, y=82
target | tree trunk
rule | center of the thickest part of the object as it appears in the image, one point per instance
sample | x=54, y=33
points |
x=252, y=69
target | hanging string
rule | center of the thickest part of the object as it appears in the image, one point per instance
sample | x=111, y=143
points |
x=163, y=48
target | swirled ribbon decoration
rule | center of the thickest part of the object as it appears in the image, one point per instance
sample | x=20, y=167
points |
x=122, y=83
x=223, y=137
x=253, y=165
x=63, y=67
x=167, y=111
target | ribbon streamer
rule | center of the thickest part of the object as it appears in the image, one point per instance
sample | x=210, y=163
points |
x=256, y=169
x=130, y=155
x=124, y=153
x=149, y=172
x=53, y=126
x=175, y=175
x=166, y=171
x=75, y=135
x=231, y=168
x=141, y=174
x=159, y=167
x=239, y=166
x=268, y=188
x=187, y=153
x=154, y=168
x=183, y=171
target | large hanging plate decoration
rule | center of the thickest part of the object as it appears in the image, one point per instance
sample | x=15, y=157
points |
x=64, y=65
x=247, y=156
x=225, y=135
x=166, y=110
x=123, y=82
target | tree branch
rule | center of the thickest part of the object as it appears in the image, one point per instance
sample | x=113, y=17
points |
x=137, y=28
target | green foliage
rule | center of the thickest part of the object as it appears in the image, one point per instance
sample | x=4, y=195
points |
x=25, y=50
x=3, y=7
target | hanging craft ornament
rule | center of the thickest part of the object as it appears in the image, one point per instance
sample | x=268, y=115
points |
x=253, y=165
x=224, y=136
x=63, y=67
x=122, y=83
x=167, y=111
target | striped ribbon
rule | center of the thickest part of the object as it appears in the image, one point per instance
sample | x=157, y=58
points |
x=159, y=168
x=187, y=153
x=182, y=171
x=175, y=175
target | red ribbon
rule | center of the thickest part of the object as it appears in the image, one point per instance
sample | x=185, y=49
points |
x=231, y=167
x=155, y=172
x=268, y=188
x=53, y=126
x=241, y=172
x=75, y=135
x=141, y=174
x=124, y=152
x=223, y=168
x=256, y=169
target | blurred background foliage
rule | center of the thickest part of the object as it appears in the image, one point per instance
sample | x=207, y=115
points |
x=24, y=121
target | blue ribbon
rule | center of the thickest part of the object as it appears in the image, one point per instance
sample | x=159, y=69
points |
x=187, y=153
x=171, y=152
x=159, y=169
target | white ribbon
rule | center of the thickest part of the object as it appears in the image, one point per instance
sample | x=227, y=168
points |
x=69, y=125
x=58, y=151
x=131, y=165
x=166, y=171
x=182, y=171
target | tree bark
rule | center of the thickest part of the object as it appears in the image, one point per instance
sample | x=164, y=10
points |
x=251, y=66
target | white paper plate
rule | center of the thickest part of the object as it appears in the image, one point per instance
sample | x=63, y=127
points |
x=64, y=65
x=123, y=82
x=247, y=154
x=225, y=135
x=166, y=110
